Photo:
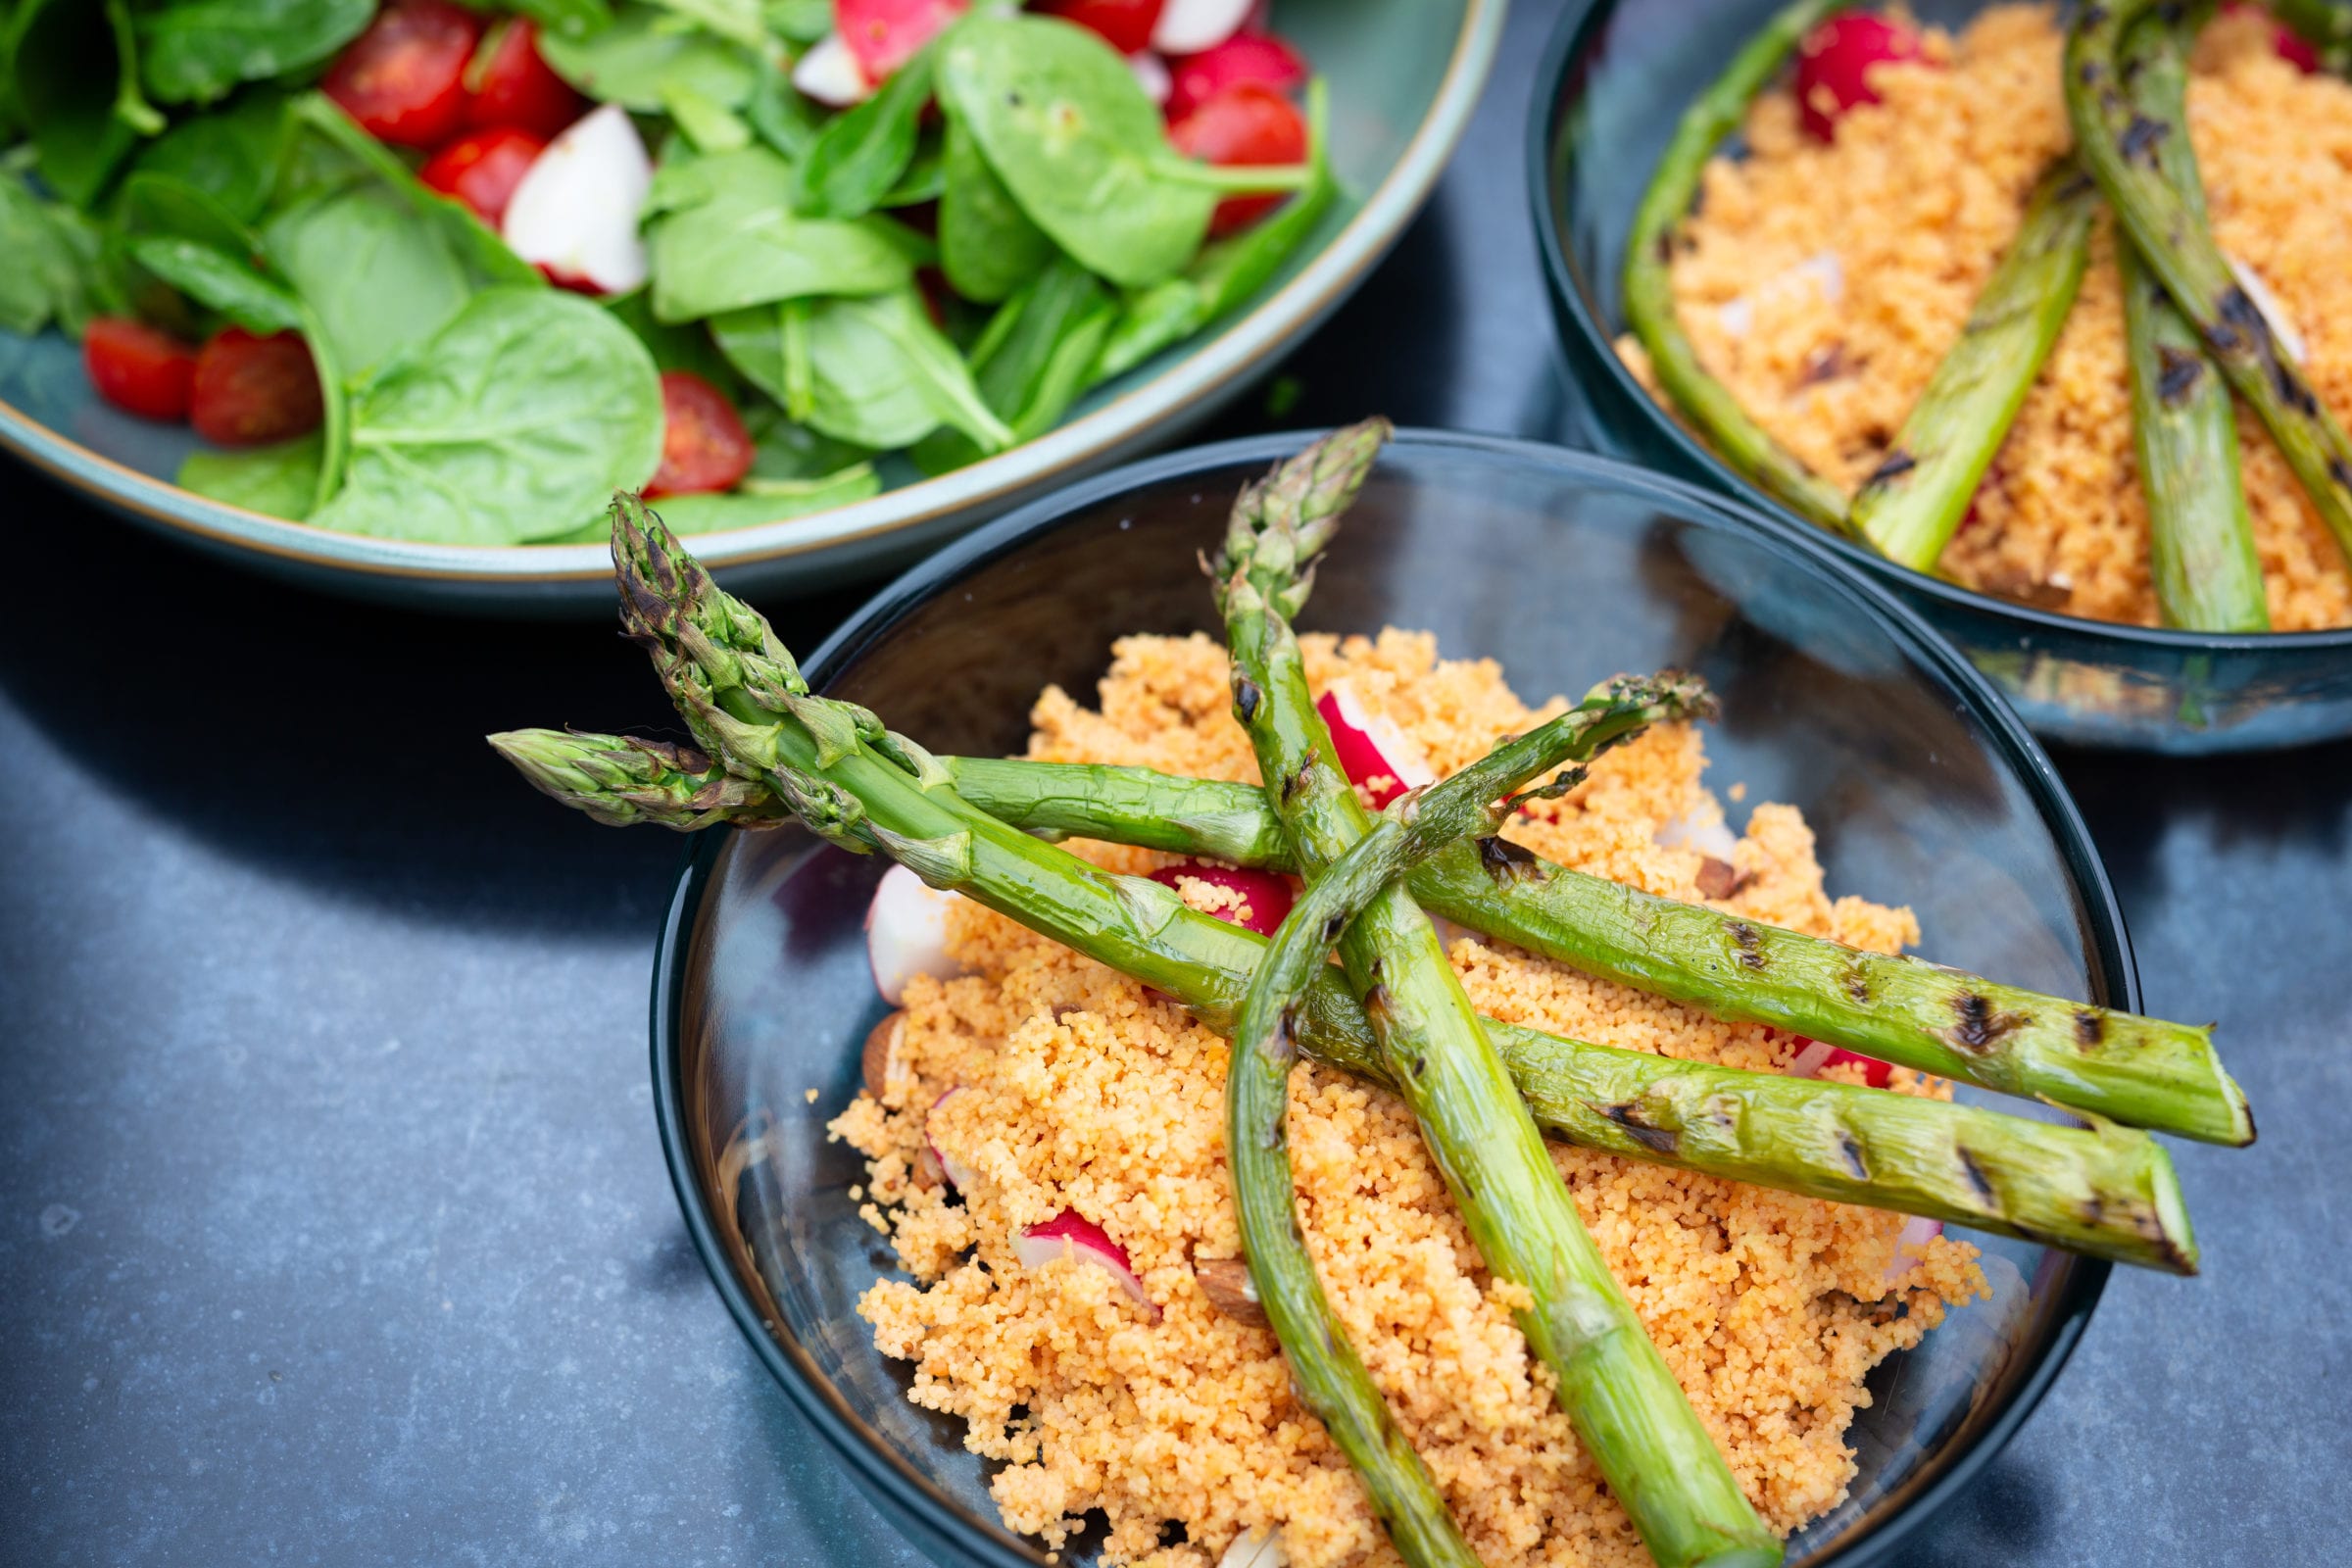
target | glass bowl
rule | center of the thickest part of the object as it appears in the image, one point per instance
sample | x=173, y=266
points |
x=1613, y=83
x=1566, y=568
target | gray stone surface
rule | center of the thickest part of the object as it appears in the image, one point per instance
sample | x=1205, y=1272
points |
x=332, y=1224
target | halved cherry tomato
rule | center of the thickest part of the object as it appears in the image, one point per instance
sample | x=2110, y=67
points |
x=250, y=390
x=513, y=85
x=884, y=34
x=1125, y=25
x=704, y=444
x=137, y=369
x=1258, y=57
x=483, y=167
x=1832, y=66
x=403, y=80
x=1245, y=125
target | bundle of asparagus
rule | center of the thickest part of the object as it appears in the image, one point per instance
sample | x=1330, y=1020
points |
x=2186, y=314
x=772, y=752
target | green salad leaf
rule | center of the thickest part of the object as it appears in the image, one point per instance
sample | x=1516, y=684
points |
x=987, y=245
x=741, y=248
x=195, y=51
x=475, y=244
x=232, y=154
x=861, y=153
x=770, y=501
x=512, y=423
x=280, y=480
x=378, y=279
x=1061, y=121
x=872, y=371
x=646, y=48
x=1035, y=359
x=228, y=284
x=66, y=64
x=51, y=265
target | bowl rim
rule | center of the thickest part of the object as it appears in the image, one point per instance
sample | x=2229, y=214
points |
x=1567, y=43
x=1231, y=349
x=911, y=1493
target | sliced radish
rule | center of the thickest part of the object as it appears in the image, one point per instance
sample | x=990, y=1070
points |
x=1266, y=894
x=575, y=212
x=906, y=933
x=1917, y=1234
x=1188, y=27
x=1247, y=56
x=1818, y=1055
x=2273, y=312
x=1372, y=751
x=1698, y=829
x=1834, y=64
x=879, y=1064
x=1260, y=1548
x=960, y=1176
x=830, y=74
x=1150, y=73
x=884, y=34
x=1070, y=1233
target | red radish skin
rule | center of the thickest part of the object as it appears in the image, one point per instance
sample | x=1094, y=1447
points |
x=1070, y=1233
x=884, y=34
x=1372, y=752
x=1916, y=1235
x=1817, y=1054
x=512, y=84
x=1266, y=894
x=1241, y=126
x=482, y=168
x=1188, y=27
x=906, y=934
x=1125, y=25
x=575, y=213
x=2285, y=42
x=137, y=369
x=1253, y=57
x=250, y=391
x=1832, y=66
x=404, y=78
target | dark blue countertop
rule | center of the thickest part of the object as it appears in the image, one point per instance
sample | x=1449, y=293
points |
x=332, y=1224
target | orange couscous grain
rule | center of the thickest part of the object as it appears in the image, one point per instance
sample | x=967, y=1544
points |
x=1822, y=284
x=1049, y=1082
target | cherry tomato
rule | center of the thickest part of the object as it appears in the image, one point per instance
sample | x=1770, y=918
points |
x=1258, y=57
x=884, y=34
x=704, y=444
x=252, y=390
x=1244, y=125
x=1125, y=25
x=483, y=167
x=512, y=85
x=404, y=78
x=137, y=369
x=1832, y=66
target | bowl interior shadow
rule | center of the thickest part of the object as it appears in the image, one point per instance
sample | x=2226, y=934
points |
x=1564, y=569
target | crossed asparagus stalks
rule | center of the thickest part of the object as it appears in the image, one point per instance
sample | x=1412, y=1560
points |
x=771, y=751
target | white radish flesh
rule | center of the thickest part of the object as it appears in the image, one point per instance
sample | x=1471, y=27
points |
x=960, y=1176
x=1701, y=829
x=906, y=933
x=1071, y=1235
x=1260, y=1548
x=575, y=212
x=830, y=74
x=1188, y=27
x=1370, y=748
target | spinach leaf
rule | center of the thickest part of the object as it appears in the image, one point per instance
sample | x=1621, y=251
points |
x=884, y=377
x=705, y=123
x=740, y=249
x=858, y=156
x=473, y=243
x=279, y=480
x=736, y=20
x=515, y=421
x=565, y=19
x=790, y=453
x=771, y=501
x=987, y=245
x=683, y=347
x=924, y=179
x=801, y=21
x=66, y=63
x=231, y=155
x=1034, y=361
x=158, y=204
x=224, y=282
x=1063, y=124
x=779, y=114
x=1225, y=273
x=628, y=62
x=52, y=257
x=378, y=279
x=196, y=50
x=130, y=104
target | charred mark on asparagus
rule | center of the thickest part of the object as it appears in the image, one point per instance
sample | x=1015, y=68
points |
x=1504, y=860
x=1976, y=1180
x=1751, y=945
x=1892, y=467
x=2140, y=138
x=2090, y=1027
x=1979, y=1028
x=1649, y=1133
x=1852, y=1151
x=1246, y=699
x=2179, y=374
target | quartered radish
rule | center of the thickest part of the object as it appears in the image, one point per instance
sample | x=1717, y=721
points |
x=1188, y=27
x=1818, y=1054
x=906, y=933
x=830, y=74
x=960, y=1176
x=1072, y=1235
x=884, y=34
x=575, y=212
x=1699, y=829
x=2273, y=312
x=1917, y=1234
x=1258, y=1549
x=1150, y=72
x=1254, y=56
x=1370, y=748
x=1266, y=894
x=1833, y=63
